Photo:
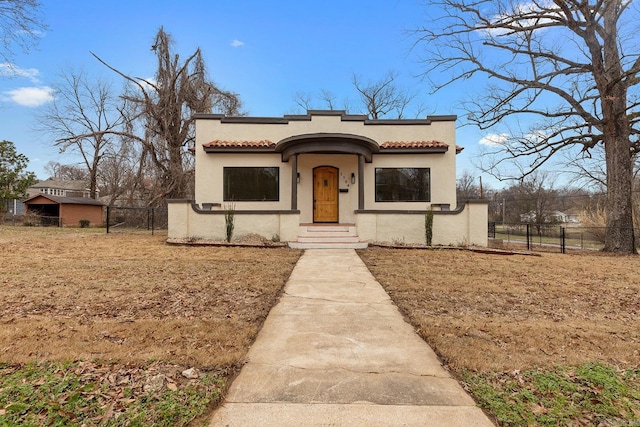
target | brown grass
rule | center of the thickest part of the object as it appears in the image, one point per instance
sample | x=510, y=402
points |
x=84, y=295
x=487, y=312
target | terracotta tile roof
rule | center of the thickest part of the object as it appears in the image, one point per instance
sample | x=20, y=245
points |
x=240, y=144
x=413, y=144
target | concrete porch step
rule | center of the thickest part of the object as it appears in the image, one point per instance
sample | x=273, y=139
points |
x=337, y=229
x=333, y=238
x=316, y=245
x=328, y=236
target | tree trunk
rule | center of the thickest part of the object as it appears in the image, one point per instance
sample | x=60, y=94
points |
x=616, y=132
x=620, y=234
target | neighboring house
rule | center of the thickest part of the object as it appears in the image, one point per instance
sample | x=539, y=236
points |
x=285, y=176
x=552, y=217
x=63, y=211
x=63, y=188
x=52, y=187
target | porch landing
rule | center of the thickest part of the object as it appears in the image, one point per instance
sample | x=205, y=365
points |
x=328, y=236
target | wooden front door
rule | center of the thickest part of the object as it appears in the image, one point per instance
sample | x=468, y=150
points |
x=325, y=194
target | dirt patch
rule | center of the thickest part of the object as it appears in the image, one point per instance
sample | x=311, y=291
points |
x=247, y=240
x=485, y=312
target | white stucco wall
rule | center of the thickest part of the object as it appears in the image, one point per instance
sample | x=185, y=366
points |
x=209, y=129
x=442, y=175
x=468, y=227
x=209, y=172
x=187, y=223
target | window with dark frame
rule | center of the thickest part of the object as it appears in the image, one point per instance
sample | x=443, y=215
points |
x=251, y=184
x=403, y=185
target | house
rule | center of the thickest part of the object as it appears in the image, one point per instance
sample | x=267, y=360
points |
x=292, y=177
x=63, y=211
x=62, y=187
x=554, y=217
x=52, y=187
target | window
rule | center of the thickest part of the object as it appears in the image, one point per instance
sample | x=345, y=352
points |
x=251, y=184
x=403, y=185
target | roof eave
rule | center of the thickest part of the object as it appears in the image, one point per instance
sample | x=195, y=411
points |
x=414, y=150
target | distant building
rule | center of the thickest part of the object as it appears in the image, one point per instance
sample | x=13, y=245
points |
x=75, y=189
x=552, y=217
x=63, y=188
x=64, y=211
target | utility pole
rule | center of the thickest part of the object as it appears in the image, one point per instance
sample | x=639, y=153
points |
x=504, y=208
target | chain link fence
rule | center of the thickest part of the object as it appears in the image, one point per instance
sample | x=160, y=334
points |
x=125, y=219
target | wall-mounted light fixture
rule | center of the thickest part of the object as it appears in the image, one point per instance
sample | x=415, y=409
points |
x=298, y=177
x=353, y=178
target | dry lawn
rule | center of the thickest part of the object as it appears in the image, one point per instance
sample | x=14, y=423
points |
x=73, y=294
x=498, y=313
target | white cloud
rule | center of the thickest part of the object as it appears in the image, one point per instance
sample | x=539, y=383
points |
x=501, y=139
x=148, y=83
x=30, y=96
x=237, y=43
x=494, y=139
x=11, y=70
x=529, y=14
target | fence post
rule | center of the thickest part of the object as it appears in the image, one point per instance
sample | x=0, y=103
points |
x=153, y=220
x=562, y=239
x=108, y=210
x=528, y=237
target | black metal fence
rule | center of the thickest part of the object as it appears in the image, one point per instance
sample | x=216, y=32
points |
x=126, y=219
x=551, y=238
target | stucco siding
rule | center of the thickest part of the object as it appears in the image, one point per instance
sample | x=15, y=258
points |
x=188, y=223
x=209, y=178
x=464, y=227
x=442, y=177
x=210, y=129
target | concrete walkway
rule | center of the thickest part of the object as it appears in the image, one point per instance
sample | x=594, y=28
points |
x=336, y=351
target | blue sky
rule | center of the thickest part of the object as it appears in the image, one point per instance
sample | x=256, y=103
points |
x=266, y=51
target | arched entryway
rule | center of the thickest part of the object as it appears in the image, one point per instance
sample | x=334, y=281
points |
x=325, y=194
x=328, y=143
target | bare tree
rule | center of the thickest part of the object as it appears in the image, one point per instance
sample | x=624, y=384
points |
x=164, y=108
x=567, y=64
x=20, y=24
x=303, y=100
x=383, y=97
x=66, y=172
x=84, y=118
x=531, y=199
x=588, y=169
x=327, y=99
x=467, y=187
x=118, y=175
x=536, y=198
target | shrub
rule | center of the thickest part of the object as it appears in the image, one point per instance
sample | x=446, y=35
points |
x=229, y=214
x=428, y=226
x=84, y=223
